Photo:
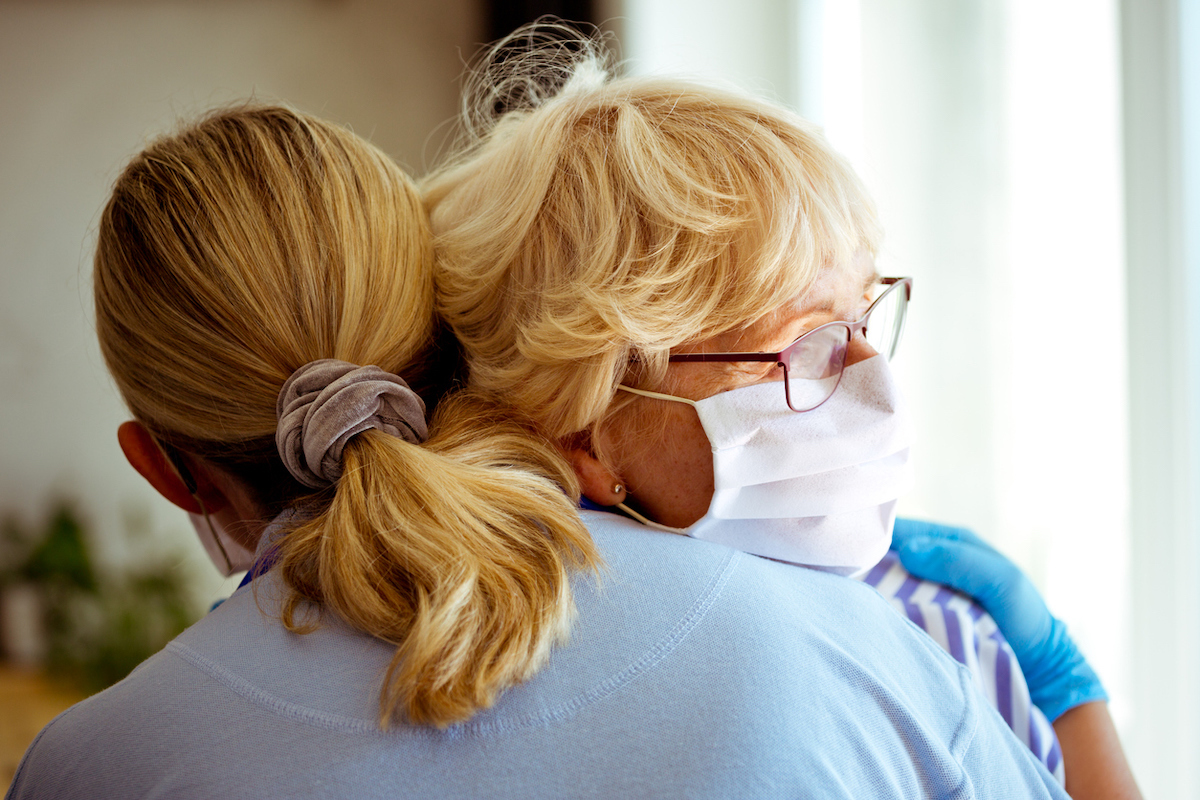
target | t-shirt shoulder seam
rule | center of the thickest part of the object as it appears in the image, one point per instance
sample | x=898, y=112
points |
x=651, y=657
x=647, y=661
x=964, y=735
x=265, y=699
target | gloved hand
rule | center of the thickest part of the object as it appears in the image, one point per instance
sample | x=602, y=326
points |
x=1059, y=677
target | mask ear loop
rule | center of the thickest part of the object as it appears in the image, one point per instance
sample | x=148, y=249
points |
x=642, y=518
x=649, y=523
x=657, y=395
x=190, y=483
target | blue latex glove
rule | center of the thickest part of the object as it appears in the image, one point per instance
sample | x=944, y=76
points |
x=1059, y=677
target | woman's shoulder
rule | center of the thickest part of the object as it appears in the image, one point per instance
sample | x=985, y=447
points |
x=768, y=619
x=762, y=600
x=759, y=591
x=103, y=740
x=211, y=714
x=795, y=666
x=701, y=670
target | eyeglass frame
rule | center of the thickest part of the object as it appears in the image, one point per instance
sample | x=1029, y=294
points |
x=782, y=357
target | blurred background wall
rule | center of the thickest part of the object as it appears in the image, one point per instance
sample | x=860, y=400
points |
x=1034, y=161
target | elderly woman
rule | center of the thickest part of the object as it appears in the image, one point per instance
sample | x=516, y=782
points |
x=265, y=302
x=677, y=285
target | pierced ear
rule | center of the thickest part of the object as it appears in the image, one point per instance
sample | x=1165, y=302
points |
x=599, y=483
x=144, y=454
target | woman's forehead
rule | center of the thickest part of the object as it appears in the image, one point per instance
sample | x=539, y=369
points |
x=837, y=293
x=838, y=285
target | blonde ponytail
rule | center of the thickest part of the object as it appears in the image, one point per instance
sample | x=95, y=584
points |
x=450, y=553
x=259, y=240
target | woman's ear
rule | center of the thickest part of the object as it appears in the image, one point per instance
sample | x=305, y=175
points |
x=599, y=483
x=147, y=457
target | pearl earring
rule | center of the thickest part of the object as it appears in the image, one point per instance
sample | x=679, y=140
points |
x=618, y=488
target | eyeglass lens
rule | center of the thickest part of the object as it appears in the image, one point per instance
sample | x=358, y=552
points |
x=815, y=364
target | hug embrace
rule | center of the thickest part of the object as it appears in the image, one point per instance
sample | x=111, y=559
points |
x=569, y=471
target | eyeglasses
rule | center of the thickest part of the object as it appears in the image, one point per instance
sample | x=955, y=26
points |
x=812, y=365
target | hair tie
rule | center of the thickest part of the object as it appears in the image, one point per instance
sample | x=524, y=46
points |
x=327, y=402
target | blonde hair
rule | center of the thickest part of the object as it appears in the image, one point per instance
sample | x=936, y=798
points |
x=583, y=234
x=260, y=239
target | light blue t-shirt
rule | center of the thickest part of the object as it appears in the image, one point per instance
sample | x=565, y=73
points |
x=693, y=671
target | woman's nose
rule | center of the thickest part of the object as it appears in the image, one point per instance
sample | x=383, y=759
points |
x=858, y=350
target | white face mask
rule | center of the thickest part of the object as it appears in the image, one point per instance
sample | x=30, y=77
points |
x=233, y=557
x=817, y=488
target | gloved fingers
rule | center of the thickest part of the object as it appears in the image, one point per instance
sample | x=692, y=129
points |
x=906, y=529
x=966, y=565
x=991, y=579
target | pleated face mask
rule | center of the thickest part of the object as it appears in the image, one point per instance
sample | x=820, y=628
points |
x=226, y=554
x=817, y=488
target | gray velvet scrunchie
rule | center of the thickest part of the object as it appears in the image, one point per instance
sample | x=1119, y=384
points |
x=327, y=402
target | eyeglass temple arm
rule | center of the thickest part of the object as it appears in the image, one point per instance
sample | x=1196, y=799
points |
x=908, y=283
x=725, y=356
x=694, y=357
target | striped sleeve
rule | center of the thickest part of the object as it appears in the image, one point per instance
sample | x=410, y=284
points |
x=964, y=630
